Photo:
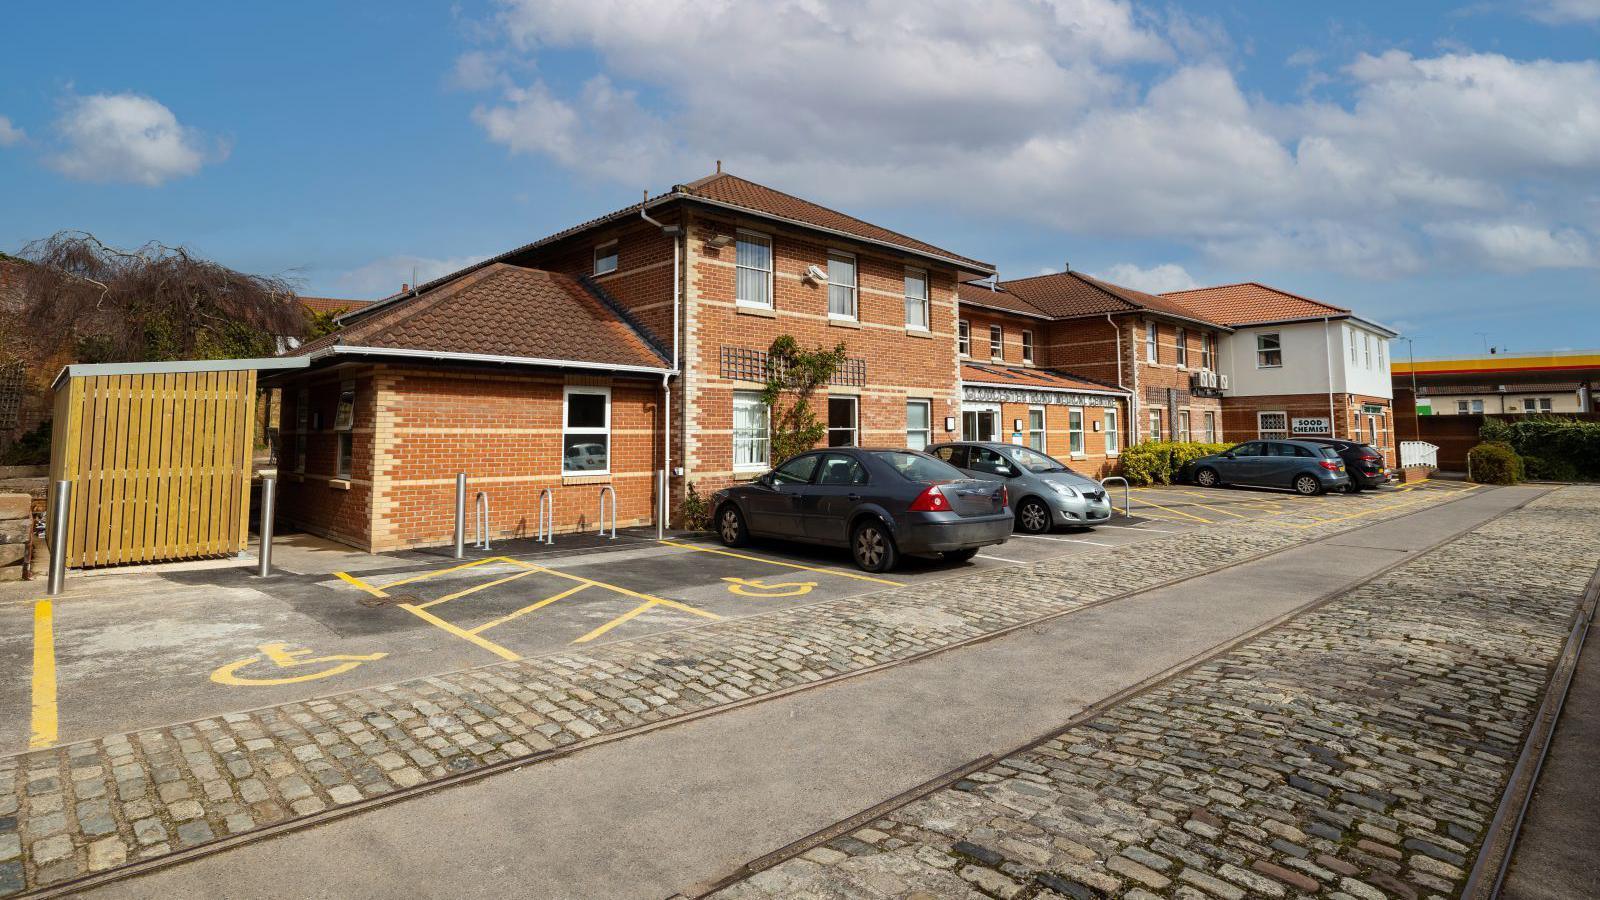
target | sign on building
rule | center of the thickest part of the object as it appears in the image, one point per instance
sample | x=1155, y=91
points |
x=1311, y=425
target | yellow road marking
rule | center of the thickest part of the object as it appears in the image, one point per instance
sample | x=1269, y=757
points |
x=526, y=609
x=630, y=614
x=472, y=590
x=1176, y=512
x=284, y=658
x=434, y=574
x=755, y=587
x=1226, y=512
x=775, y=562
x=462, y=633
x=361, y=584
x=45, y=729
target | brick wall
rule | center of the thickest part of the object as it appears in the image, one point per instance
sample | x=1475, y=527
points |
x=1166, y=385
x=1011, y=331
x=311, y=497
x=1241, y=423
x=1093, y=461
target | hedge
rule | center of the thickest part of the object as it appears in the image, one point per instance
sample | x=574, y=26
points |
x=1553, y=448
x=1494, y=463
x=1161, y=462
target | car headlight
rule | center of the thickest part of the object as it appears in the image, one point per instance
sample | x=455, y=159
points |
x=1063, y=490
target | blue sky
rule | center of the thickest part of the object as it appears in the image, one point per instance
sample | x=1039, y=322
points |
x=1435, y=166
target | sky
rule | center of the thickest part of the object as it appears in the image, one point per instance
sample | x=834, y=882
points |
x=1434, y=166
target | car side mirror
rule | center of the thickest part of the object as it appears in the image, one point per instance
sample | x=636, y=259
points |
x=1227, y=454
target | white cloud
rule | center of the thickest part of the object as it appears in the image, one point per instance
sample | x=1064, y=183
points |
x=1562, y=12
x=1514, y=247
x=130, y=138
x=382, y=277
x=1156, y=279
x=9, y=133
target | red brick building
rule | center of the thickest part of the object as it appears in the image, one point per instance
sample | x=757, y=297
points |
x=664, y=311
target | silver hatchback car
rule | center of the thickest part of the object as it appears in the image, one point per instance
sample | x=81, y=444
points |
x=1045, y=492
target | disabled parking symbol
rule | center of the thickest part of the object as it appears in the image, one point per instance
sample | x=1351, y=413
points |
x=281, y=656
x=755, y=587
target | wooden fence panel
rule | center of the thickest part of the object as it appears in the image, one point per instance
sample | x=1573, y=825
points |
x=160, y=465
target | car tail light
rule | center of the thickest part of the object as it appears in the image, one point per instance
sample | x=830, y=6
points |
x=1370, y=458
x=1330, y=465
x=931, y=500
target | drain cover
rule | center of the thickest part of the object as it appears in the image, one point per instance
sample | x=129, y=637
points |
x=372, y=602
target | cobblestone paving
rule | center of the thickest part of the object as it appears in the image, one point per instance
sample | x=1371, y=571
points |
x=94, y=805
x=1358, y=751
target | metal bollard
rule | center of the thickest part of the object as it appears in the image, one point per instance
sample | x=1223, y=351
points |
x=461, y=516
x=60, y=511
x=269, y=507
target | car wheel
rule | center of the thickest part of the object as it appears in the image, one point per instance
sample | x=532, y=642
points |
x=1307, y=486
x=1354, y=487
x=1207, y=478
x=872, y=547
x=730, y=526
x=1033, y=517
x=960, y=555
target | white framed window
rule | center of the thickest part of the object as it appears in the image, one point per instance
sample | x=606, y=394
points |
x=1383, y=353
x=344, y=423
x=1269, y=351
x=1208, y=342
x=1461, y=407
x=1036, y=428
x=916, y=299
x=1210, y=421
x=752, y=429
x=586, y=430
x=1183, y=425
x=1113, y=437
x=1152, y=342
x=964, y=337
x=753, y=265
x=1075, y=432
x=1372, y=430
x=1366, y=348
x=1476, y=407
x=841, y=285
x=919, y=424
x=1182, y=340
x=605, y=258
x=1155, y=425
x=1536, y=404
x=997, y=344
x=1355, y=351
x=1027, y=348
x=842, y=421
x=1272, y=425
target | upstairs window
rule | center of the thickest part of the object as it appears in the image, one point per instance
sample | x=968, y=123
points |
x=1208, y=344
x=964, y=337
x=1182, y=340
x=1027, y=346
x=841, y=286
x=1269, y=351
x=1152, y=337
x=605, y=258
x=753, y=262
x=916, y=299
x=997, y=347
x=1366, y=348
x=1355, y=352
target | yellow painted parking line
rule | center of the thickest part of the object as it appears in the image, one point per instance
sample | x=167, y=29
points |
x=527, y=609
x=462, y=633
x=775, y=562
x=630, y=614
x=376, y=592
x=479, y=587
x=1176, y=512
x=44, y=731
x=437, y=572
x=1227, y=512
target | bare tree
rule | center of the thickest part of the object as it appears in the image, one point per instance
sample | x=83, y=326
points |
x=98, y=303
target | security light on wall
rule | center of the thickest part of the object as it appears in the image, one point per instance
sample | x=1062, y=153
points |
x=719, y=240
x=816, y=273
x=949, y=423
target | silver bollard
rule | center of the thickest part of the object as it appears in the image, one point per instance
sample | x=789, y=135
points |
x=60, y=512
x=269, y=508
x=664, y=505
x=461, y=516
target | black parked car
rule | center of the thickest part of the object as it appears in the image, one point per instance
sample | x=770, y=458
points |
x=1300, y=466
x=879, y=503
x=1364, y=462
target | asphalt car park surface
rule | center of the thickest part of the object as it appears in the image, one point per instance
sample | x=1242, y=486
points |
x=132, y=651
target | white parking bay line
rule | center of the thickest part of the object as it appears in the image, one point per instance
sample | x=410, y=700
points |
x=1045, y=537
x=1005, y=559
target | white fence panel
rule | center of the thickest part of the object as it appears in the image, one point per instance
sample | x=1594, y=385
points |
x=1418, y=453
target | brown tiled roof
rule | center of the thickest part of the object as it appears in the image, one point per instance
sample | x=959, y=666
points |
x=978, y=293
x=1451, y=390
x=1027, y=377
x=1250, y=303
x=331, y=304
x=1069, y=295
x=506, y=311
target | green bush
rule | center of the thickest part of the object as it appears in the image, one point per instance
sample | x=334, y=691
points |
x=1541, y=468
x=32, y=449
x=1160, y=462
x=693, y=512
x=1570, y=446
x=1494, y=463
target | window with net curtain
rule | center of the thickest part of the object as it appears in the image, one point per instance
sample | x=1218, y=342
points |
x=751, y=441
x=753, y=261
x=841, y=285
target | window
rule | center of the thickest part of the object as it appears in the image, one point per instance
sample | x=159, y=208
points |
x=751, y=431
x=753, y=263
x=841, y=421
x=1272, y=424
x=1372, y=429
x=1366, y=347
x=1027, y=346
x=1461, y=407
x=1210, y=421
x=1152, y=336
x=919, y=423
x=964, y=337
x=605, y=258
x=916, y=299
x=302, y=425
x=1355, y=355
x=1269, y=351
x=1036, y=428
x=1183, y=347
x=586, y=431
x=1207, y=343
x=841, y=286
x=987, y=461
x=838, y=468
x=1183, y=425
x=955, y=456
x=1383, y=352
x=916, y=467
x=1113, y=439
x=344, y=422
x=1075, y=432
x=1477, y=407
x=1536, y=404
x=1155, y=425
x=798, y=470
x=996, y=342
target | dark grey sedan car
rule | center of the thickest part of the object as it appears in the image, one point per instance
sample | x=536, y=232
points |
x=1300, y=466
x=879, y=503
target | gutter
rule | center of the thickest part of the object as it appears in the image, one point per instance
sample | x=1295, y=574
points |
x=448, y=356
x=81, y=370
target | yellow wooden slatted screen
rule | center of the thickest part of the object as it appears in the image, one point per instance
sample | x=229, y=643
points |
x=159, y=464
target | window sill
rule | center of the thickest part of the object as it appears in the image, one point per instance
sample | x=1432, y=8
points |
x=339, y=484
x=587, y=478
x=843, y=322
x=918, y=332
x=750, y=309
x=750, y=474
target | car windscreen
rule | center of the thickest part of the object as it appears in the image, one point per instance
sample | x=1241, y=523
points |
x=917, y=467
x=1036, y=462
